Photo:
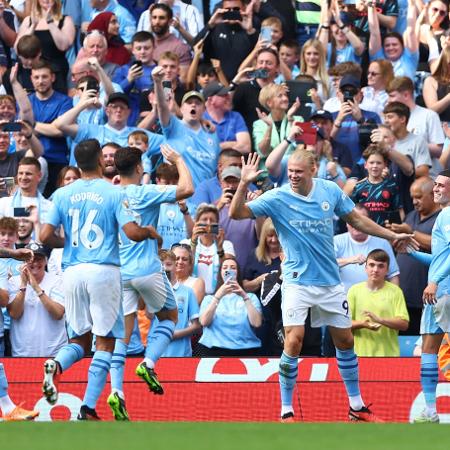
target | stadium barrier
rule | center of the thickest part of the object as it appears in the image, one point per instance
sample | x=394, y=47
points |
x=235, y=389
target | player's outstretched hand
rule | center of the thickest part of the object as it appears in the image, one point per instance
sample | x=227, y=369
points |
x=170, y=155
x=406, y=241
x=22, y=254
x=429, y=294
x=249, y=171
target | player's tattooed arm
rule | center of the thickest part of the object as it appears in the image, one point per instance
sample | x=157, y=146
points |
x=22, y=254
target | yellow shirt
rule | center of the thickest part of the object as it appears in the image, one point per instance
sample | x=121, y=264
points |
x=387, y=303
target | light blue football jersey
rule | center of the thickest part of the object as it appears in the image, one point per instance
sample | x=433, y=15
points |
x=305, y=230
x=440, y=248
x=91, y=213
x=141, y=258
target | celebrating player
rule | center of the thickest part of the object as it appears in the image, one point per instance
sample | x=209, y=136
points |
x=311, y=274
x=142, y=273
x=436, y=297
x=91, y=213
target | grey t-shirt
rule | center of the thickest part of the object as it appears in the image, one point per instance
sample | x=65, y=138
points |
x=415, y=147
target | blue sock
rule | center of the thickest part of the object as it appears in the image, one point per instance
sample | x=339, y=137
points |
x=118, y=365
x=3, y=382
x=98, y=371
x=287, y=376
x=159, y=340
x=429, y=378
x=347, y=362
x=69, y=355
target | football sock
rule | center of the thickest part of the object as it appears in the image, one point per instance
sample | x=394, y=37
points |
x=429, y=378
x=287, y=377
x=158, y=341
x=118, y=366
x=98, y=371
x=69, y=355
x=347, y=362
x=6, y=404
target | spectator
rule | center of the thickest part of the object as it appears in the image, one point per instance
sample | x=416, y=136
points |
x=350, y=116
x=68, y=175
x=422, y=121
x=198, y=146
x=108, y=24
x=229, y=316
x=378, y=310
x=351, y=250
x=224, y=37
x=27, y=194
x=230, y=125
x=183, y=270
x=109, y=167
x=188, y=313
x=36, y=307
x=48, y=105
x=56, y=33
x=135, y=78
x=402, y=52
x=379, y=75
x=127, y=23
x=307, y=15
x=386, y=12
x=8, y=30
x=379, y=194
x=414, y=274
x=160, y=18
x=25, y=229
x=289, y=59
x=209, y=246
x=264, y=260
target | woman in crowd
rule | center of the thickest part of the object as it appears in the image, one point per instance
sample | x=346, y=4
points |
x=107, y=23
x=436, y=89
x=208, y=245
x=264, y=260
x=68, y=175
x=313, y=63
x=184, y=265
x=379, y=75
x=56, y=33
x=229, y=316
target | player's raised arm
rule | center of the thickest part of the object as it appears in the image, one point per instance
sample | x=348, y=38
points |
x=249, y=174
x=21, y=254
x=368, y=226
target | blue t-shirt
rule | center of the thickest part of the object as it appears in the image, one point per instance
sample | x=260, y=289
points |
x=440, y=248
x=405, y=66
x=141, y=258
x=105, y=134
x=171, y=223
x=46, y=111
x=91, y=213
x=232, y=123
x=346, y=54
x=305, y=230
x=199, y=148
x=230, y=327
x=187, y=311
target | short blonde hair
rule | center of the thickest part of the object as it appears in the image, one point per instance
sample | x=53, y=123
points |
x=268, y=92
x=301, y=154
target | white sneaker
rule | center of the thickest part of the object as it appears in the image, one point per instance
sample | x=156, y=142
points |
x=426, y=417
x=49, y=385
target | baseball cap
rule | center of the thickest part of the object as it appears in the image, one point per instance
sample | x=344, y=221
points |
x=231, y=171
x=38, y=249
x=118, y=96
x=214, y=89
x=322, y=114
x=350, y=80
x=191, y=94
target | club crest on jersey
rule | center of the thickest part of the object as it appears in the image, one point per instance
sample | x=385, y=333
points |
x=171, y=214
x=325, y=206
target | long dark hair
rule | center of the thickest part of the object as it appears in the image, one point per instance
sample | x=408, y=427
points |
x=220, y=281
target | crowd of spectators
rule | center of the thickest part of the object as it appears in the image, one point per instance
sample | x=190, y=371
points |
x=366, y=86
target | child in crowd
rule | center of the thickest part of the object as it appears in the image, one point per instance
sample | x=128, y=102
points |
x=139, y=140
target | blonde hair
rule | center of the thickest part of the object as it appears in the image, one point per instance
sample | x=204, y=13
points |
x=270, y=21
x=56, y=9
x=322, y=67
x=261, y=250
x=301, y=154
x=268, y=92
x=442, y=71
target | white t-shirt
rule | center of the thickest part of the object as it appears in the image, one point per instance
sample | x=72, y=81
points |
x=7, y=205
x=36, y=333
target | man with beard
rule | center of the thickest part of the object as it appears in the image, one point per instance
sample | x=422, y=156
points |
x=47, y=105
x=198, y=146
x=160, y=18
x=109, y=168
x=25, y=228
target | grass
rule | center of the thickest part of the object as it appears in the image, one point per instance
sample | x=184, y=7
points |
x=221, y=436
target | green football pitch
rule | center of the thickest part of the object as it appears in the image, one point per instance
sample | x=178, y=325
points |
x=221, y=436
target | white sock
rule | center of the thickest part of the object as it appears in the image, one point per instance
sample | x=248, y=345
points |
x=356, y=402
x=119, y=393
x=286, y=409
x=6, y=404
x=430, y=410
x=150, y=364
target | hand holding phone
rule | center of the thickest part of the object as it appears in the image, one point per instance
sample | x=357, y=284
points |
x=263, y=74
